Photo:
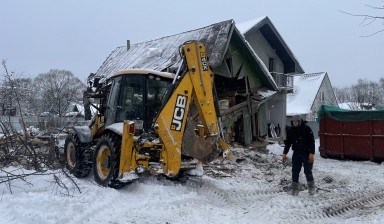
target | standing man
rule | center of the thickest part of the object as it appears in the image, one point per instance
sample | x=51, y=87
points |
x=300, y=137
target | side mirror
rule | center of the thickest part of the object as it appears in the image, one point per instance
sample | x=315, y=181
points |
x=95, y=82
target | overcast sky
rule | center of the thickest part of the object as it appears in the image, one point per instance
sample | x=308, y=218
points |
x=39, y=35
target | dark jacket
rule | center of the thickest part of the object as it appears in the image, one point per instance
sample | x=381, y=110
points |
x=301, y=139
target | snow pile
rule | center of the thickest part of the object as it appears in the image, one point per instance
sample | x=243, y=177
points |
x=251, y=190
x=154, y=52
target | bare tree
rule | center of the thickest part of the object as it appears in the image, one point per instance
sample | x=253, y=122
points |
x=15, y=89
x=341, y=94
x=362, y=95
x=380, y=104
x=368, y=92
x=16, y=93
x=368, y=19
x=56, y=89
x=38, y=154
x=345, y=95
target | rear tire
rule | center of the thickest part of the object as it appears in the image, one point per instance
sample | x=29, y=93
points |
x=107, y=160
x=78, y=156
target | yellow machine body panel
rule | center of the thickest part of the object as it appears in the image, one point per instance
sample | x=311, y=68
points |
x=127, y=157
x=170, y=126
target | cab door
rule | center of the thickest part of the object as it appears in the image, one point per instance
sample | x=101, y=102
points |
x=112, y=105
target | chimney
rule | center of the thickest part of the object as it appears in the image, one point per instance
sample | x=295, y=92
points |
x=128, y=44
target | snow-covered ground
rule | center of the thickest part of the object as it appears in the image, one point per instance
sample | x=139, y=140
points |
x=253, y=190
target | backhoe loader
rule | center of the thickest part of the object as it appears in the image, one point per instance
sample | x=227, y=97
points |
x=149, y=122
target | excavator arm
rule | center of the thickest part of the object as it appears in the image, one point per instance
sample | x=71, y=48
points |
x=194, y=88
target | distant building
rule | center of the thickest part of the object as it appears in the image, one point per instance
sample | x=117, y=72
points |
x=310, y=91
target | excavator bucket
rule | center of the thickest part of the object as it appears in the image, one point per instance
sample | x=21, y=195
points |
x=202, y=148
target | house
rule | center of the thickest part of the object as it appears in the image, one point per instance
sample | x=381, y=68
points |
x=243, y=83
x=282, y=64
x=310, y=91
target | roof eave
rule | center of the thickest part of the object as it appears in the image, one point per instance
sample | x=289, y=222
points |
x=266, y=20
x=258, y=61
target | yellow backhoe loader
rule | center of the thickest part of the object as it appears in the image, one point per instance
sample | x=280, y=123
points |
x=150, y=122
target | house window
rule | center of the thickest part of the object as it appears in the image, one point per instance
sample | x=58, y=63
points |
x=271, y=64
x=229, y=64
x=322, y=98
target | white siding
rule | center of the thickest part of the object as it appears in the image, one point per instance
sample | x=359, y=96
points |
x=262, y=48
x=329, y=98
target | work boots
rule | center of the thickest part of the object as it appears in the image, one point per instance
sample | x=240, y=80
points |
x=311, y=187
x=295, y=188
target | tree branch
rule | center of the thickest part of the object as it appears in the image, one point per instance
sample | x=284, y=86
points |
x=373, y=33
x=374, y=7
x=368, y=19
x=363, y=15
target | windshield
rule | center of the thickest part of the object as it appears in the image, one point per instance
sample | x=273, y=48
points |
x=156, y=88
x=139, y=98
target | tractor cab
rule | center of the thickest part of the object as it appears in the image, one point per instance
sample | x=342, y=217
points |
x=136, y=95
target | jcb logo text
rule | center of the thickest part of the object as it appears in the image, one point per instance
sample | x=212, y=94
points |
x=204, y=62
x=178, y=113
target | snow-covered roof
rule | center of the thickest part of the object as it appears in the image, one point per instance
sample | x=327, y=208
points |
x=245, y=26
x=146, y=71
x=265, y=25
x=162, y=54
x=305, y=88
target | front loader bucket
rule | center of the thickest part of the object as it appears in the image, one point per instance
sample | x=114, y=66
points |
x=203, y=149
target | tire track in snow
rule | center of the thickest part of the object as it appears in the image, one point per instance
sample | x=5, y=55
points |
x=345, y=207
x=239, y=202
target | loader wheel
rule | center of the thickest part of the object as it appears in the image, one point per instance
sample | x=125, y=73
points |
x=78, y=159
x=107, y=160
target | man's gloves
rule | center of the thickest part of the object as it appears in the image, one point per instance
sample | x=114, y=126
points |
x=284, y=157
x=311, y=158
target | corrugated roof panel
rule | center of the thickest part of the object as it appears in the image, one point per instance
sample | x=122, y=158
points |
x=163, y=53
